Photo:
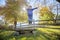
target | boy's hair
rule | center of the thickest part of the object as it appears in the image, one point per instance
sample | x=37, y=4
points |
x=30, y=6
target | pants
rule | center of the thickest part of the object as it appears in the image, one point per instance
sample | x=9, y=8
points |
x=30, y=22
x=30, y=18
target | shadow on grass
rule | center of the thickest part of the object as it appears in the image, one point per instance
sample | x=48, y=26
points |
x=39, y=35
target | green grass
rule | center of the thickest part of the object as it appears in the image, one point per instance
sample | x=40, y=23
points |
x=41, y=34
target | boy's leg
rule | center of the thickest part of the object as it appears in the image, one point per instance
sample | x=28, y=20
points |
x=30, y=22
x=30, y=18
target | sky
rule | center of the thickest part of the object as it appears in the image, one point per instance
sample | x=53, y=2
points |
x=2, y=2
x=48, y=3
x=35, y=2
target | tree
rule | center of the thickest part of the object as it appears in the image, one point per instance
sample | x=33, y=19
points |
x=46, y=14
x=11, y=11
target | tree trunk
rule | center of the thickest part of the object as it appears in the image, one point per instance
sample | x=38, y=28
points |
x=6, y=23
x=15, y=23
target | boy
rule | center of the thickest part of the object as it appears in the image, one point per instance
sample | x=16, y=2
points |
x=30, y=14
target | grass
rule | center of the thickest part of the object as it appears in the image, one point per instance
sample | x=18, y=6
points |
x=41, y=34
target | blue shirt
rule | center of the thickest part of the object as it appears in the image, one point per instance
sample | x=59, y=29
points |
x=30, y=13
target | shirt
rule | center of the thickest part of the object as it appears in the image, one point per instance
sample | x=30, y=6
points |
x=30, y=13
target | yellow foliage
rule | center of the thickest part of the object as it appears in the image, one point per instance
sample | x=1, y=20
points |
x=44, y=9
x=12, y=10
x=46, y=14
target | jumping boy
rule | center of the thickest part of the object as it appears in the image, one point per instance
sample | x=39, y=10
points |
x=30, y=13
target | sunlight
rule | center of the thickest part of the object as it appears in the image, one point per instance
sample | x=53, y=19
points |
x=24, y=38
x=29, y=20
x=24, y=8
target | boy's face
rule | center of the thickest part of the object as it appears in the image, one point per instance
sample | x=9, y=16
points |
x=30, y=7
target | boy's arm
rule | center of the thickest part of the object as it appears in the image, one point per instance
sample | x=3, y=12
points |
x=34, y=8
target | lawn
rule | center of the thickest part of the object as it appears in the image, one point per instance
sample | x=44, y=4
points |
x=50, y=33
